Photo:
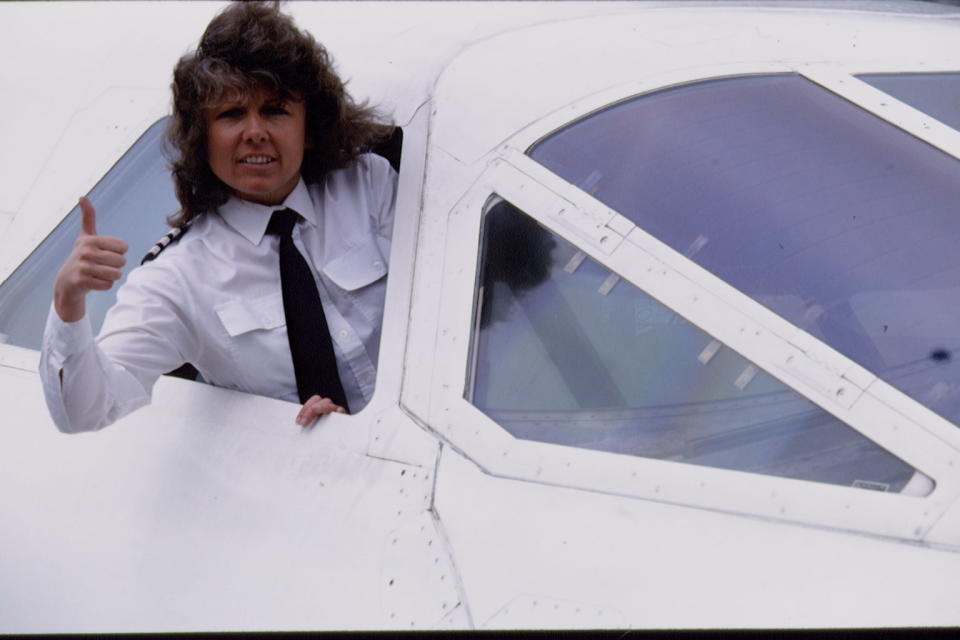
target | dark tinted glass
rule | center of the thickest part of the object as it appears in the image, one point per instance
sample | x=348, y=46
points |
x=132, y=201
x=567, y=353
x=936, y=94
x=840, y=222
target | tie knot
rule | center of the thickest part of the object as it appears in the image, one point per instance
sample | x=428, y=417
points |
x=282, y=222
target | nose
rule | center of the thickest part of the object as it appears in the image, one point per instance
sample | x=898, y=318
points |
x=254, y=130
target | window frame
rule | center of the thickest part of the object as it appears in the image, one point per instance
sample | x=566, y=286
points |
x=397, y=301
x=886, y=416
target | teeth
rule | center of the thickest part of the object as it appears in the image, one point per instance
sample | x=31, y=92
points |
x=257, y=159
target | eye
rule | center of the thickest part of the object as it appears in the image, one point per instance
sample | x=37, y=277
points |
x=234, y=112
x=274, y=110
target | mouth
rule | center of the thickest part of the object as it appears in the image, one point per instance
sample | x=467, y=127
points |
x=256, y=160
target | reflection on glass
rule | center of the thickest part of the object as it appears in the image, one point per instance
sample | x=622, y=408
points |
x=567, y=353
x=936, y=94
x=132, y=202
x=838, y=221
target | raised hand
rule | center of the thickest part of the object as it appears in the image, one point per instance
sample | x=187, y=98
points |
x=94, y=264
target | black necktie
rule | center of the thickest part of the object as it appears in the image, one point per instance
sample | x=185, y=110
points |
x=313, y=360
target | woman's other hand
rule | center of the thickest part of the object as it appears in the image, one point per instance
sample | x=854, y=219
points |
x=314, y=407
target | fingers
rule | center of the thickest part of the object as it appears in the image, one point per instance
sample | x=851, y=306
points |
x=108, y=243
x=88, y=227
x=92, y=267
x=101, y=250
x=99, y=277
x=76, y=281
x=315, y=407
x=95, y=263
x=88, y=224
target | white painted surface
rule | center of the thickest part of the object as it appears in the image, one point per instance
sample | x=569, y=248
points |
x=611, y=561
x=211, y=510
x=208, y=510
x=637, y=51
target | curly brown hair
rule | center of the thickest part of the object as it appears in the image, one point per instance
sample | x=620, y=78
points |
x=247, y=46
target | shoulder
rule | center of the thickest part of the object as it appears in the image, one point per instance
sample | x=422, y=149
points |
x=367, y=171
x=176, y=253
x=174, y=242
x=367, y=185
x=157, y=279
x=168, y=239
x=374, y=165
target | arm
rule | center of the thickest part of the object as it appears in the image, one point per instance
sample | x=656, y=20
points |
x=83, y=389
x=88, y=384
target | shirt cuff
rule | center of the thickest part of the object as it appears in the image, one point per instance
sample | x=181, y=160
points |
x=65, y=339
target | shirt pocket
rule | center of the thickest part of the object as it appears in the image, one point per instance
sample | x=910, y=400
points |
x=360, y=266
x=250, y=314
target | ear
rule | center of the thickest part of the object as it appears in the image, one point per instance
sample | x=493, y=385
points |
x=307, y=141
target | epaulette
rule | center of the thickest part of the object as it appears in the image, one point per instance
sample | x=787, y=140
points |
x=169, y=238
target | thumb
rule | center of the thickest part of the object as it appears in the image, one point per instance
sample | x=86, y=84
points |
x=88, y=226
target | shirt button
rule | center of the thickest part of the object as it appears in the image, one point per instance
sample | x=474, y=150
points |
x=342, y=333
x=377, y=264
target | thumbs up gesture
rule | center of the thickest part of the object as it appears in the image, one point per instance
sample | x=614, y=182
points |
x=94, y=264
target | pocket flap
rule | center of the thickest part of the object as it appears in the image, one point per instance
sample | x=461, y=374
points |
x=358, y=267
x=241, y=316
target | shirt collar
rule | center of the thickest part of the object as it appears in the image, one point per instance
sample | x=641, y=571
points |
x=250, y=219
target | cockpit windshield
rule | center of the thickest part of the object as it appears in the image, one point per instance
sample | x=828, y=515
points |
x=936, y=94
x=837, y=220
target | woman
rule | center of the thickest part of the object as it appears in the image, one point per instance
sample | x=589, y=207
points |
x=261, y=124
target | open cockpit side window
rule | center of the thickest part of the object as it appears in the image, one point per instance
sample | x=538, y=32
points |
x=838, y=221
x=566, y=352
x=133, y=200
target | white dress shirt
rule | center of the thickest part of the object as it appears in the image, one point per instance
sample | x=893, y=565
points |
x=213, y=299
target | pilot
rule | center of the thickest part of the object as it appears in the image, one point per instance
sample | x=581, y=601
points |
x=275, y=283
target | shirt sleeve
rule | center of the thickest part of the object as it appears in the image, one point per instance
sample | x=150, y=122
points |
x=89, y=384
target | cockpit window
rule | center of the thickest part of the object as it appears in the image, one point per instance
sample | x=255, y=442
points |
x=566, y=352
x=132, y=201
x=840, y=222
x=936, y=94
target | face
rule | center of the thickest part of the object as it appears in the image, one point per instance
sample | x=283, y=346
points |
x=255, y=145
